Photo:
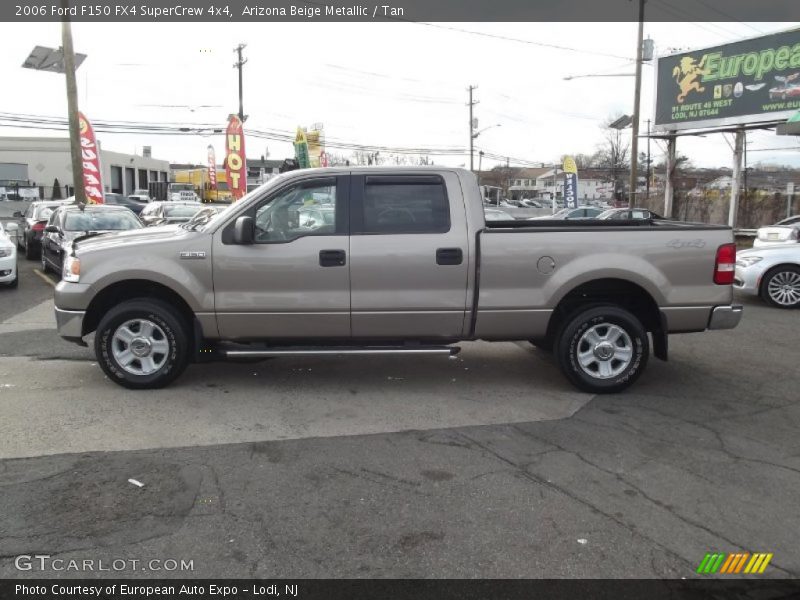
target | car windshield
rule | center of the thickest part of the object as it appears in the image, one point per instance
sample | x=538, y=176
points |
x=116, y=220
x=180, y=210
x=43, y=212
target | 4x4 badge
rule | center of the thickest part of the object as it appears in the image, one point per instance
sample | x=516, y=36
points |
x=193, y=254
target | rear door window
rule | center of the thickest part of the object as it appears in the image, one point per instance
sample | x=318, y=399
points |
x=400, y=204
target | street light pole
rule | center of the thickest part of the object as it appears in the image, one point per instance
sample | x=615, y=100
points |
x=636, y=98
x=238, y=65
x=72, y=106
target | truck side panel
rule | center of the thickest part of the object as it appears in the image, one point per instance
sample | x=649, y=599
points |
x=525, y=273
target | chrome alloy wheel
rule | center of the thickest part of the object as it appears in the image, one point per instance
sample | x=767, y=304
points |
x=604, y=351
x=140, y=347
x=784, y=288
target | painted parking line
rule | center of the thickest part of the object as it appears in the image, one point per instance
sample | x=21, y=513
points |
x=45, y=277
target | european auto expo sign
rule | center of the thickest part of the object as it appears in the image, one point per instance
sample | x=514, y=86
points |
x=751, y=81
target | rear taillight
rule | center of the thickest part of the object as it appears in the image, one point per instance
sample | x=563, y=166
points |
x=725, y=264
x=39, y=226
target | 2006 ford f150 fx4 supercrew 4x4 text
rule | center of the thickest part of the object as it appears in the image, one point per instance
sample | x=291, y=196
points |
x=391, y=260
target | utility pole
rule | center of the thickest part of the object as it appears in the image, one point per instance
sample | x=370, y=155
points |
x=736, y=177
x=636, y=98
x=471, y=128
x=669, y=187
x=72, y=106
x=238, y=65
x=648, y=160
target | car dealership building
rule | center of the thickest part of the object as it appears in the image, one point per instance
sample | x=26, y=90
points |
x=37, y=162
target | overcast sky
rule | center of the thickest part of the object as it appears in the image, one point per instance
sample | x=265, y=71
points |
x=390, y=84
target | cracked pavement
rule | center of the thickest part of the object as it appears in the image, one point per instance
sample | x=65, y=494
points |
x=379, y=468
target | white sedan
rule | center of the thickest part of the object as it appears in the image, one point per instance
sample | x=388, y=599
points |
x=773, y=273
x=783, y=232
x=8, y=256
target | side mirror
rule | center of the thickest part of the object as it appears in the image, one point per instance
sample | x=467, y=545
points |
x=244, y=231
x=11, y=227
x=52, y=229
x=17, y=214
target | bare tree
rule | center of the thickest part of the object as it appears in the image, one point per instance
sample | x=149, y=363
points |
x=613, y=154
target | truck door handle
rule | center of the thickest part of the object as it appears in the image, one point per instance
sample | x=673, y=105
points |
x=449, y=256
x=332, y=258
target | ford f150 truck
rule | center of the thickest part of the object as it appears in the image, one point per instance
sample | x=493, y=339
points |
x=400, y=261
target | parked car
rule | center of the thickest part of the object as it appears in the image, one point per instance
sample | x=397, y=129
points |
x=582, y=212
x=627, y=213
x=493, y=214
x=772, y=273
x=134, y=203
x=32, y=224
x=204, y=215
x=141, y=196
x=168, y=213
x=70, y=222
x=528, y=203
x=8, y=256
x=786, y=231
x=410, y=267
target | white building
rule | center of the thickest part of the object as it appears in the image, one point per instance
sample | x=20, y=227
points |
x=589, y=188
x=39, y=161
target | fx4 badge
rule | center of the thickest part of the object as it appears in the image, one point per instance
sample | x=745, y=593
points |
x=677, y=244
x=193, y=254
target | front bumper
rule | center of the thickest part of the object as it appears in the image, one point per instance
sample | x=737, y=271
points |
x=746, y=279
x=8, y=268
x=725, y=317
x=70, y=324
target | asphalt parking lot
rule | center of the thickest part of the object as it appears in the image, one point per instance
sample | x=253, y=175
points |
x=488, y=465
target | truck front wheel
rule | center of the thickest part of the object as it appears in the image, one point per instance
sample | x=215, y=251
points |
x=142, y=344
x=603, y=349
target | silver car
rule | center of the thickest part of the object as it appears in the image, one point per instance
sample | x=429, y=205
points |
x=772, y=273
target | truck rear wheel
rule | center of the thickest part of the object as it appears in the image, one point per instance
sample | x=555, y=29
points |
x=142, y=344
x=603, y=349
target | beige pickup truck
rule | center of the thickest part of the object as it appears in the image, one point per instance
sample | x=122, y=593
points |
x=391, y=261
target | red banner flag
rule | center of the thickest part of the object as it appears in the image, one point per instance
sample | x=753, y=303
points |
x=90, y=159
x=235, y=161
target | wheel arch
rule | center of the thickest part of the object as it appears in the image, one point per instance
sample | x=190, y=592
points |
x=618, y=292
x=130, y=289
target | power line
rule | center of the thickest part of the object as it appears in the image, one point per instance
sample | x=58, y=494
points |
x=520, y=41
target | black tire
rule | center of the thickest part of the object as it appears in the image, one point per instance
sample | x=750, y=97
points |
x=176, y=332
x=786, y=274
x=618, y=375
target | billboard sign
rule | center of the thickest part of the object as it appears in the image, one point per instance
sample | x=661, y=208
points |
x=751, y=81
x=570, y=183
x=90, y=159
x=235, y=162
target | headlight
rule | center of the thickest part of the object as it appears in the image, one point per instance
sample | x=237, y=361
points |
x=6, y=251
x=748, y=261
x=72, y=269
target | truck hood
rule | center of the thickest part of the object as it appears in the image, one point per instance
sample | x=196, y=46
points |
x=132, y=238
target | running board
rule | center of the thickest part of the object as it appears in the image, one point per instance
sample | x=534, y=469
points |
x=334, y=351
